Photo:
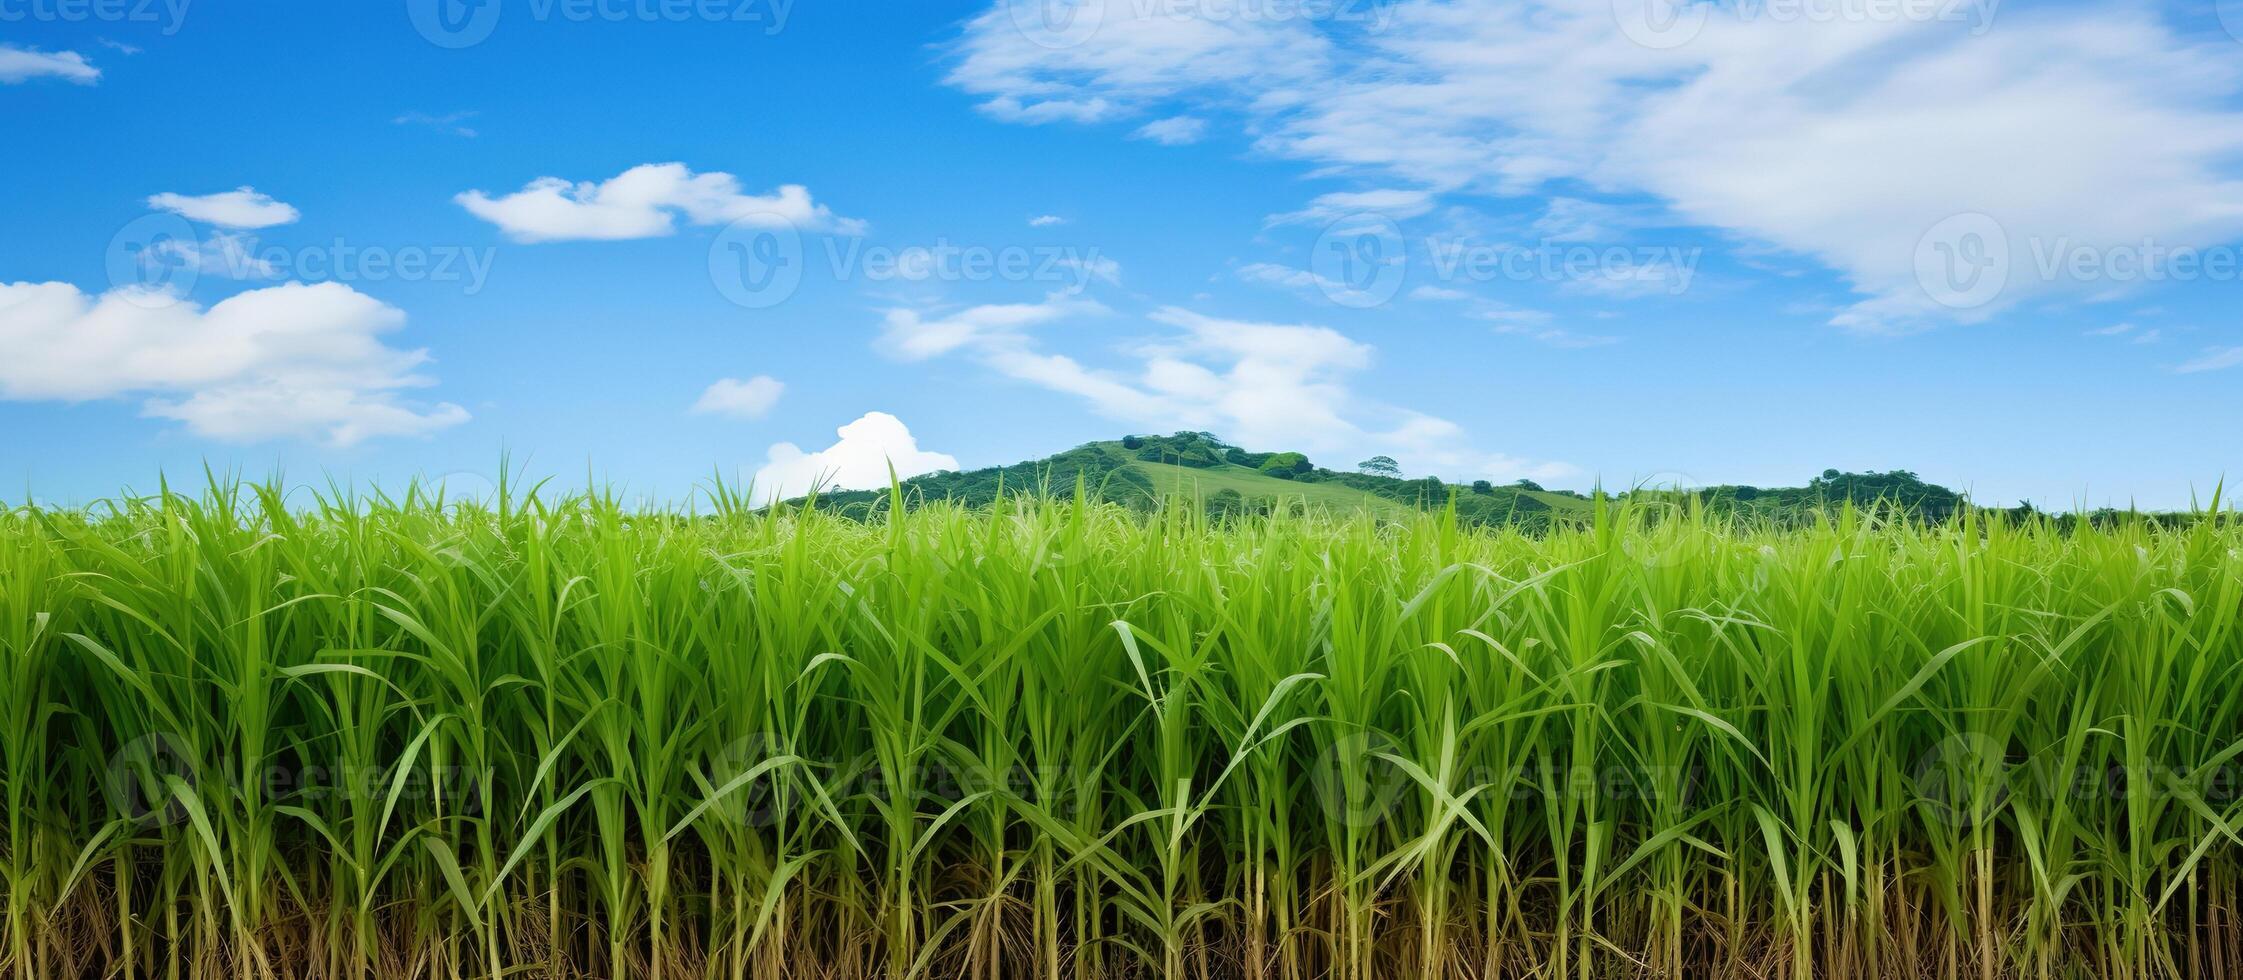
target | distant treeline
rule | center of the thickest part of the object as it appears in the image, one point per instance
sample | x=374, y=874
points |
x=1105, y=470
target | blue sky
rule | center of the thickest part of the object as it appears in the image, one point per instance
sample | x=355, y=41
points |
x=1996, y=244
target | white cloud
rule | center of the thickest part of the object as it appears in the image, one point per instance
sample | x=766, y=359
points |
x=2150, y=336
x=734, y=398
x=1309, y=282
x=1837, y=139
x=914, y=336
x=642, y=202
x=217, y=253
x=2213, y=359
x=1396, y=203
x=1112, y=58
x=1571, y=219
x=242, y=207
x=1440, y=293
x=861, y=460
x=1535, y=325
x=1274, y=274
x=1046, y=221
x=1087, y=268
x=19, y=64
x=454, y=123
x=300, y=361
x=1264, y=385
x=1427, y=444
x=1174, y=130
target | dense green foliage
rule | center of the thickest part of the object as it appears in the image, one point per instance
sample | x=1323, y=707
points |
x=1075, y=740
x=1130, y=471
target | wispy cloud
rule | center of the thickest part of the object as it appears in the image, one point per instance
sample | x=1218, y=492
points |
x=21, y=64
x=1263, y=384
x=242, y=207
x=1797, y=136
x=734, y=398
x=2213, y=359
x=454, y=123
x=1174, y=130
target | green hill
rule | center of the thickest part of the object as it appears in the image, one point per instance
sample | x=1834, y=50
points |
x=1143, y=470
x=1198, y=466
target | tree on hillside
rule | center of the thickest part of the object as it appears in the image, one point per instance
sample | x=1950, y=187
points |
x=1482, y=487
x=1380, y=466
x=1285, y=466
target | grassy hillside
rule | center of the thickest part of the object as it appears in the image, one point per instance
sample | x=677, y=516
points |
x=1253, y=486
x=1139, y=471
